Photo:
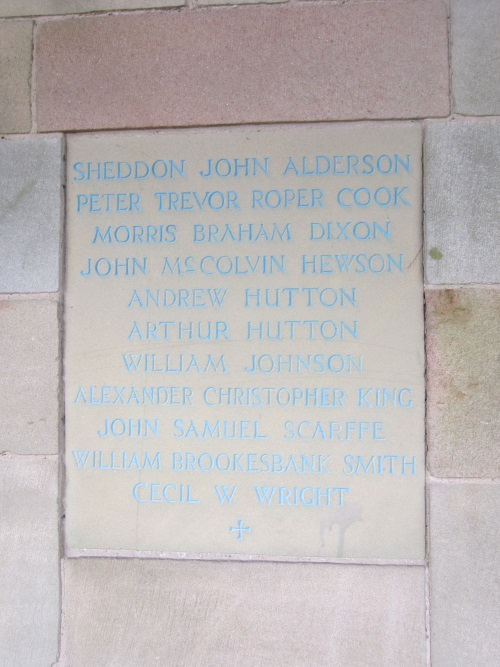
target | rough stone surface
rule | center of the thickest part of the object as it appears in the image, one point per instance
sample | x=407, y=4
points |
x=462, y=190
x=50, y=7
x=475, y=57
x=463, y=366
x=29, y=566
x=247, y=64
x=30, y=214
x=235, y=2
x=15, y=72
x=247, y=2
x=29, y=377
x=129, y=612
x=464, y=557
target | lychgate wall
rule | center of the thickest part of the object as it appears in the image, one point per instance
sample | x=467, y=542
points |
x=73, y=66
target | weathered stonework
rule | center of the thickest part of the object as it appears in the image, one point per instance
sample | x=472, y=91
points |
x=464, y=566
x=29, y=381
x=15, y=73
x=475, y=57
x=461, y=192
x=30, y=214
x=463, y=339
x=167, y=64
x=258, y=613
x=51, y=7
x=29, y=566
x=202, y=68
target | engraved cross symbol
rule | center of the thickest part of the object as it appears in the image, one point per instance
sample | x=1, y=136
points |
x=240, y=529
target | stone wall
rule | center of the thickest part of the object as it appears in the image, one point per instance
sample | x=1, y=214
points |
x=70, y=65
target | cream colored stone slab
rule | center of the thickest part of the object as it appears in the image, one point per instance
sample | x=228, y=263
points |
x=244, y=343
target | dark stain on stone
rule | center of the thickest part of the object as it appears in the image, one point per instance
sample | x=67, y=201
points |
x=23, y=192
x=451, y=307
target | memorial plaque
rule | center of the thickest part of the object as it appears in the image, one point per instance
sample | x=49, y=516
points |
x=244, y=359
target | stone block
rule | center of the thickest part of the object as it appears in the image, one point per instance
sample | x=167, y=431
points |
x=30, y=214
x=110, y=510
x=51, y=7
x=15, y=74
x=463, y=366
x=462, y=177
x=475, y=57
x=29, y=567
x=235, y=2
x=146, y=612
x=307, y=62
x=29, y=378
x=464, y=560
